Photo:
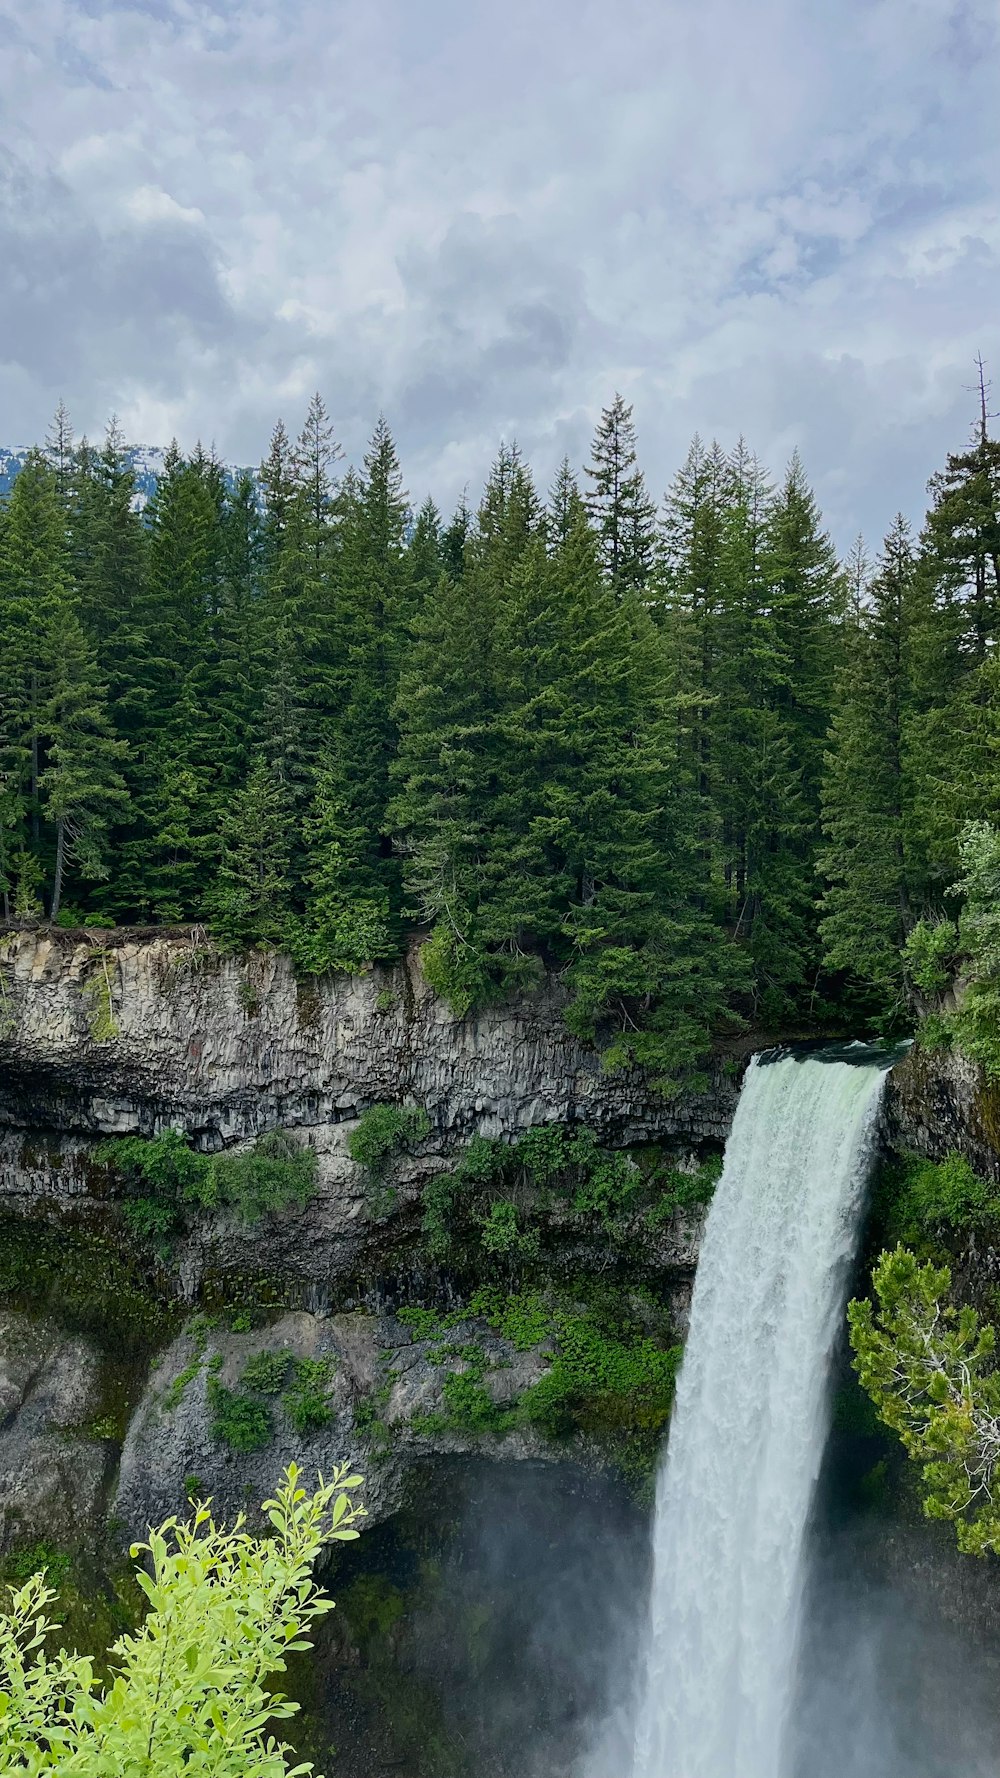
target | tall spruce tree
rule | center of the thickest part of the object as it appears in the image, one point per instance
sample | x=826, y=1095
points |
x=623, y=514
x=82, y=785
x=34, y=584
x=867, y=862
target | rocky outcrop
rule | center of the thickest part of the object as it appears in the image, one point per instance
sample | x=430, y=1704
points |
x=938, y=1103
x=54, y=1462
x=137, y=1034
x=173, y=1447
x=134, y=1034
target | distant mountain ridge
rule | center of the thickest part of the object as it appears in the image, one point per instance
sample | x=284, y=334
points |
x=146, y=462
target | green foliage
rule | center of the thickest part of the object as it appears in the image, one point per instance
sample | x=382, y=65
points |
x=276, y=1174
x=38, y=1558
x=521, y=1317
x=919, y=1198
x=424, y=1323
x=265, y=1373
x=306, y=1400
x=438, y=1200
x=237, y=1419
x=930, y=956
x=165, y=1175
x=616, y=1386
x=502, y=1235
x=382, y=1131
x=681, y=1190
x=930, y=1370
x=190, y=1687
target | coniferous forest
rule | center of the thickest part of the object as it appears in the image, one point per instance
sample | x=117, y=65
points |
x=676, y=752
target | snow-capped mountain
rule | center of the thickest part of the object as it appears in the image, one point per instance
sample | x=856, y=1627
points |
x=146, y=462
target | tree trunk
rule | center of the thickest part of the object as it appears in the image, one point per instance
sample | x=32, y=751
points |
x=60, y=857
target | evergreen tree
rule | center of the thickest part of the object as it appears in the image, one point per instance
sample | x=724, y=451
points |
x=82, y=785
x=34, y=582
x=622, y=512
x=60, y=452
x=250, y=899
x=866, y=791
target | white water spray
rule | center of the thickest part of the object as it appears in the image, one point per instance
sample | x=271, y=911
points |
x=750, y=1422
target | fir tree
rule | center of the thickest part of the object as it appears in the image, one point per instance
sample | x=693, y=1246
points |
x=866, y=908
x=82, y=785
x=622, y=512
x=250, y=899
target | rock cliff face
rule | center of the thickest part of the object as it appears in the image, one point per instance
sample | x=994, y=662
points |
x=939, y=1103
x=137, y=1035
x=131, y=1034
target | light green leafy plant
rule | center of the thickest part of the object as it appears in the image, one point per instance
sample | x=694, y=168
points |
x=190, y=1690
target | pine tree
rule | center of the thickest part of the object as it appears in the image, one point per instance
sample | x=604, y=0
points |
x=867, y=905
x=250, y=899
x=622, y=512
x=60, y=452
x=34, y=581
x=82, y=785
x=956, y=636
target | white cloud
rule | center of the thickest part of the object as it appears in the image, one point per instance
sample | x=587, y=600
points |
x=775, y=220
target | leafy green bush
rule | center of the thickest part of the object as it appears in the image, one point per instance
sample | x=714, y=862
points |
x=425, y=1323
x=470, y=1406
x=37, y=1558
x=382, y=1131
x=188, y=1688
x=277, y=1174
x=238, y=1420
x=306, y=1400
x=163, y=1174
x=438, y=1200
x=266, y=1372
x=501, y=1233
x=930, y=956
x=921, y=1197
x=680, y=1190
x=521, y=1318
x=617, y=1389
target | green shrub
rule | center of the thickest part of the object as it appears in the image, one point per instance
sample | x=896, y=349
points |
x=471, y=1408
x=930, y=956
x=238, y=1420
x=680, y=1190
x=175, y=1394
x=266, y=1372
x=425, y=1323
x=438, y=1200
x=920, y=1197
x=20, y=1564
x=609, y=1186
x=522, y=1319
x=276, y=1174
x=543, y=1152
x=163, y=1174
x=306, y=1399
x=382, y=1131
x=501, y=1233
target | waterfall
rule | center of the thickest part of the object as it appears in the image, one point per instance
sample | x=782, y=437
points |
x=750, y=1420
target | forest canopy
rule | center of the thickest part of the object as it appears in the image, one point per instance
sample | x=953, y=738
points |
x=677, y=752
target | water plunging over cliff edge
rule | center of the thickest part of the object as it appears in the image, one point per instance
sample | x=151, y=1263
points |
x=750, y=1421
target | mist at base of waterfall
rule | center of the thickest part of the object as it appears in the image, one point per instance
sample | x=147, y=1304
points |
x=890, y=1684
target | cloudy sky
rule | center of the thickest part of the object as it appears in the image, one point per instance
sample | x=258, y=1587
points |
x=778, y=218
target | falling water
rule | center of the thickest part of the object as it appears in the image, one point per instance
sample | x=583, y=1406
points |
x=750, y=1421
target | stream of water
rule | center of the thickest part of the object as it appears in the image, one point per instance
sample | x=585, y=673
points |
x=750, y=1421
